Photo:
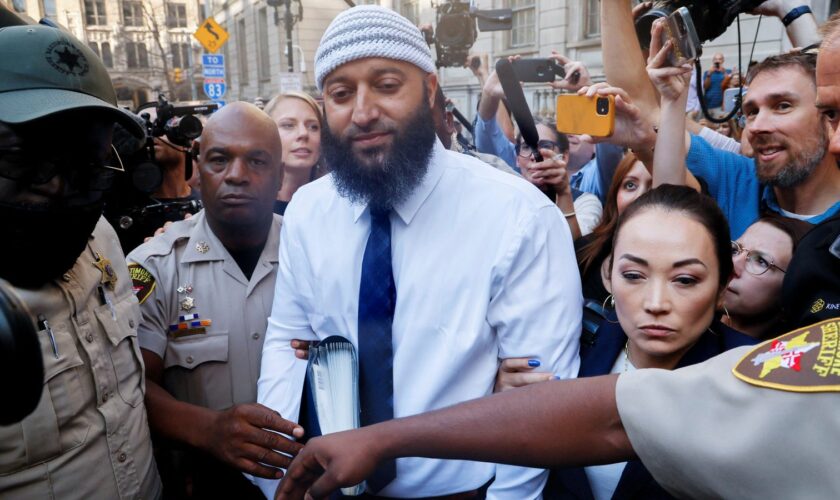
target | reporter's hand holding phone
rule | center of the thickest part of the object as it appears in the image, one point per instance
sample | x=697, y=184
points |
x=632, y=130
x=671, y=81
x=577, y=75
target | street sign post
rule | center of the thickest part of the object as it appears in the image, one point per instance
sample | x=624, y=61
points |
x=211, y=35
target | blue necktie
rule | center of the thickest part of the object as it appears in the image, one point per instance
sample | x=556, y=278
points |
x=377, y=298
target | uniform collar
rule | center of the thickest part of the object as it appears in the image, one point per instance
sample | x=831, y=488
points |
x=204, y=246
x=410, y=206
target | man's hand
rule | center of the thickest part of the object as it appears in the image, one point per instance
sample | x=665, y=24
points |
x=577, y=76
x=328, y=463
x=518, y=372
x=632, y=129
x=670, y=81
x=640, y=9
x=301, y=348
x=242, y=437
x=159, y=231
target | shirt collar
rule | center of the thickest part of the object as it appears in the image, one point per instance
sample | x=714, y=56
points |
x=411, y=205
x=204, y=246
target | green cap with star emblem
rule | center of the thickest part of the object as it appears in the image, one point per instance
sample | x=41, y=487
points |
x=44, y=70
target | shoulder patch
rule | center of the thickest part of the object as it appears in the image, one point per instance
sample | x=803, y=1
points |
x=804, y=360
x=143, y=282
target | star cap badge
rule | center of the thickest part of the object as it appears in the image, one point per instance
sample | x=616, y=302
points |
x=67, y=59
x=109, y=276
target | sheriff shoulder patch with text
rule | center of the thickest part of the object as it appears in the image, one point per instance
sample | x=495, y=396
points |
x=804, y=360
x=142, y=281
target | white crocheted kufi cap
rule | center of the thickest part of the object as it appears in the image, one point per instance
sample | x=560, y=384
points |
x=370, y=31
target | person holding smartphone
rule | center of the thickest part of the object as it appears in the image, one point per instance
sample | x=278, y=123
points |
x=713, y=82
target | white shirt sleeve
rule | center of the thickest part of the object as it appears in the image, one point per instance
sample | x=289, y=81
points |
x=588, y=211
x=720, y=141
x=537, y=304
x=282, y=374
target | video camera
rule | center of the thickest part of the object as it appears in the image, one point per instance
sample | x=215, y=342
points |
x=711, y=17
x=131, y=207
x=457, y=27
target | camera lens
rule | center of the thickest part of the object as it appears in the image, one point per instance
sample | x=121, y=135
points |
x=602, y=106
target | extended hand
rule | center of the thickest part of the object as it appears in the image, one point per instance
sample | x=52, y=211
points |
x=516, y=372
x=670, y=81
x=242, y=437
x=632, y=129
x=577, y=75
x=550, y=172
x=329, y=463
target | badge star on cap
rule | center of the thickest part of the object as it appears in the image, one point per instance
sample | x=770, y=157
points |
x=69, y=59
x=109, y=276
x=202, y=247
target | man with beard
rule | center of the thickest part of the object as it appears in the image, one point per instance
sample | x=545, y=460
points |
x=432, y=264
x=88, y=437
x=205, y=289
x=791, y=173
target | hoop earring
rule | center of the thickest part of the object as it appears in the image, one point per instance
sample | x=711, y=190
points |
x=611, y=300
x=726, y=313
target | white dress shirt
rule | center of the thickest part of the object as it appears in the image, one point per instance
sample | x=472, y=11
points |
x=484, y=269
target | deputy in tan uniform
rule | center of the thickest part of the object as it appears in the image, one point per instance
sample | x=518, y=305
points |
x=88, y=437
x=206, y=287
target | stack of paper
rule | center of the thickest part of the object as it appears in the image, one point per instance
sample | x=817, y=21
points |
x=333, y=373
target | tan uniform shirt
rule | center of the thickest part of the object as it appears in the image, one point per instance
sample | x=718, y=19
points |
x=191, y=273
x=88, y=437
x=705, y=433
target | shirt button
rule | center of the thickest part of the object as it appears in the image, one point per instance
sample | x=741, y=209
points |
x=255, y=336
x=131, y=323
x=122, y=457
x=89, y=337
x=66, y=277
x=104, y=397
x=189, y=359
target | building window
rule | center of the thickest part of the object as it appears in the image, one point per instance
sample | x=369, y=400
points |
x=132, y=13
x=48, y=8
x=95, y=12
x=242, y=51
x=410, y=9
x=104, y=53
x=524, y=21
x=107, y=57
x=264, y=68
x=176, y=15
x=592, y=21
x=180, y=55
x=136, y=55
x=19, y=5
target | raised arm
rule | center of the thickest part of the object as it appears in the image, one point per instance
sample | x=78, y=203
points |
x=802, y=30
x=672, y=83
x=558, y=423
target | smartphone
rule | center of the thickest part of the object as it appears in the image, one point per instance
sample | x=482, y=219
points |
x=730, y=98
x=679, y=28
x=538, y=70
x=579, y=114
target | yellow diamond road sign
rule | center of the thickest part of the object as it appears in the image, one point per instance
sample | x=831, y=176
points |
x=211, y=35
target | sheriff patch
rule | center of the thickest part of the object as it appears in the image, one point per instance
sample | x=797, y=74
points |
x=804, y=360
x=143, y=282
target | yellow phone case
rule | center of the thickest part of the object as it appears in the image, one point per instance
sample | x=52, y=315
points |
x=578, y=114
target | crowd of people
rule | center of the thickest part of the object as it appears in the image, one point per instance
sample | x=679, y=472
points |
x=628, y=298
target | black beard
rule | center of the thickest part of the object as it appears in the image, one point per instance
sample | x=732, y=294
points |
x=399, y=171
x=40, y=244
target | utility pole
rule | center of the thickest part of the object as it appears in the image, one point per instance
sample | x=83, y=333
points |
x=289, y=20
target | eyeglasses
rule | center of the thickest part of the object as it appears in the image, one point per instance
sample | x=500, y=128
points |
x=21, y=165
x=525, y=151
x=757, y=262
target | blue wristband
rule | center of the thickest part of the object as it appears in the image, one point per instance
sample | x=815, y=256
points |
x=794, y=14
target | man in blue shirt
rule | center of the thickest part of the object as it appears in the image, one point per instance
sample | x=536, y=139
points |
x=713, y=82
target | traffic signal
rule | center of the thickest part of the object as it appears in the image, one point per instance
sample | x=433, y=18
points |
x=178, y=75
